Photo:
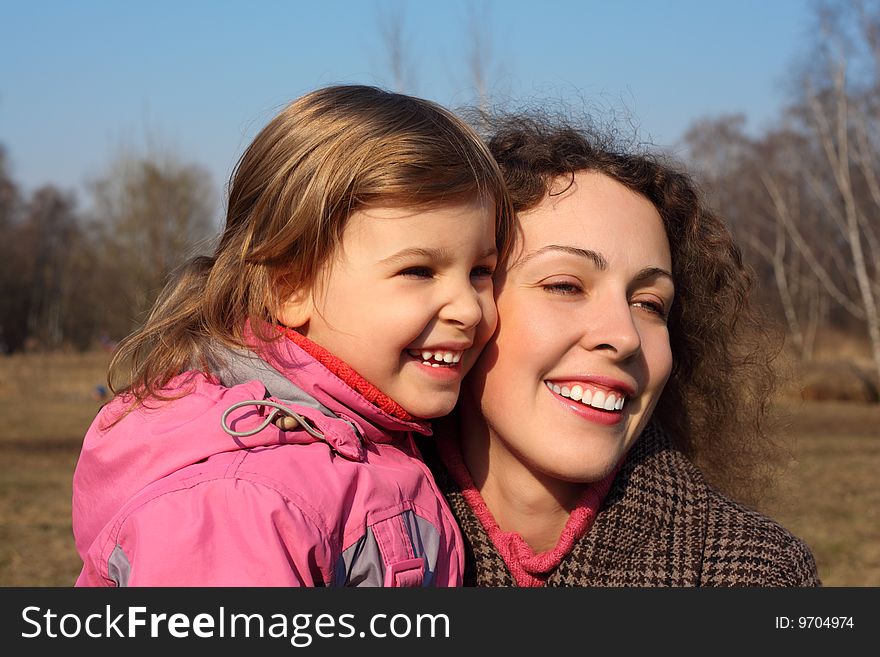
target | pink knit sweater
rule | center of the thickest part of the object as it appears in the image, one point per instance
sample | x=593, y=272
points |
x=527, y=567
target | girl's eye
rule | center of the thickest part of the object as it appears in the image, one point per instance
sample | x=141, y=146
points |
x=653, y=307
x=483, y=271
x=417, y=272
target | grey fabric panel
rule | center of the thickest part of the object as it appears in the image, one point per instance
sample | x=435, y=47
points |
x=426, y=543
x=340, y=570
x=234, y=367
x=118, y=567
x=362, y=564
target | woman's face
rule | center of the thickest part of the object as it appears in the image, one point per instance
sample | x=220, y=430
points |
x=582, y=350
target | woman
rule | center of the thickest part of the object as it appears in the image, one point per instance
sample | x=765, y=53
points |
x=626, y=351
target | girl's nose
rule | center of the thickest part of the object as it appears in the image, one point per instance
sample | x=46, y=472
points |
x=462, y=306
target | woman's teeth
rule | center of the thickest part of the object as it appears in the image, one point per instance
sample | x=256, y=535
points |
x=606, y=401
x=437, y=358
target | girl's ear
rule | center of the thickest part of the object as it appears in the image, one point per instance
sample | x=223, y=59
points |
x=296, y=310
x=295, y=307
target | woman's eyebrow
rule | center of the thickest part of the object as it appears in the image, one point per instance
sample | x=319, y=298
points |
x=651, y=272
x=595, y=257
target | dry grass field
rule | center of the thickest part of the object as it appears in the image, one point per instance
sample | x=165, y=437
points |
x=46, y=405
x=829, y=495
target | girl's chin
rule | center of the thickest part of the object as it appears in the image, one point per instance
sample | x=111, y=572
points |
x=429, y=412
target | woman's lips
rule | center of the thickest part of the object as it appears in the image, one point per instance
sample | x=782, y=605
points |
x=592, y=403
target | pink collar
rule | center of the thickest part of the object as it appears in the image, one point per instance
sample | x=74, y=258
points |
x=527, y=567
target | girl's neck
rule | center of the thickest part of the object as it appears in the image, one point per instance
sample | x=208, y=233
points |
x=520, y=499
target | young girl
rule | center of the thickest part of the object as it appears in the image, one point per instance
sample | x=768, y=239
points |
x=264, y=437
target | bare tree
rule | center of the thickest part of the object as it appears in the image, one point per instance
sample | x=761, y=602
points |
x=841, y=113
x=13, y=299
x=49, y=230
x=392, y=28
x=479, y=54
x=8, y=192
x=156, y=211
x=801, y=298
x=752, y=187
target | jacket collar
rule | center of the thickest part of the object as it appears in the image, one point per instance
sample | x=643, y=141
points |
x=292, y=375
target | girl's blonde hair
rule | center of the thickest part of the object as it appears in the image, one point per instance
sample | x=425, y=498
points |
x=326, y=155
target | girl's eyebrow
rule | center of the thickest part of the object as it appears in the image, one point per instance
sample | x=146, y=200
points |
x=599, y=261
x=435, y=255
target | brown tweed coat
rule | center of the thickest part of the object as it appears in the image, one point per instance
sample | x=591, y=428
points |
x=660, y=525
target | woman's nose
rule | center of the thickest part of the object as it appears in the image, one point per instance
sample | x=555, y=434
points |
x=611, y=327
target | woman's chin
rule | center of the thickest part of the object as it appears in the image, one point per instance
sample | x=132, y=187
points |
x=586, y=468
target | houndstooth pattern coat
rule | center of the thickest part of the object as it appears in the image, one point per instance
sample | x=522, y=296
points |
x=660, y=525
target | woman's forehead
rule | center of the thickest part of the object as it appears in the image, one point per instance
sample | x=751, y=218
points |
x=597, y=218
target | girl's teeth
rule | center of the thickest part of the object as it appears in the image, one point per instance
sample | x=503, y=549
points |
x=435, y=357
x=598, y=399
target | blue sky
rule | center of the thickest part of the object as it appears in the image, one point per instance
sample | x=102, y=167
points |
x=79, y=81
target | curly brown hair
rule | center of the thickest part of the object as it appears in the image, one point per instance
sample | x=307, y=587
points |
x=715, y=403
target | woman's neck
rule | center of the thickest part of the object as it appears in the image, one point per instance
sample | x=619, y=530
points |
x=520, y=499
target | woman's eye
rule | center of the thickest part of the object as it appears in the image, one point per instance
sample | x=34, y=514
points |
x=566, y=288
x=653, y=307
x=416, y=272
x=483, y=271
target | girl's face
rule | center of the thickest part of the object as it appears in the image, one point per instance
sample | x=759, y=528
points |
x=407, y=300
x=582, y=350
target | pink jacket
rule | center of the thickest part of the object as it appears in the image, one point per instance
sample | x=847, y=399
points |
x=168, y=497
